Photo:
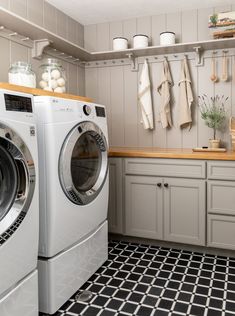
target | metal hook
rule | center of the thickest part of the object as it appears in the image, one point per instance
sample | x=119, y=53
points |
x=25, y=39
x=13, y=34
x=2, y=27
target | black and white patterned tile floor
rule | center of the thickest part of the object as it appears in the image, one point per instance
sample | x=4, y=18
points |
x=146, y=280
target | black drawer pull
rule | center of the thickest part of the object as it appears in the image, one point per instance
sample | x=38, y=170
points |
x=166, y=185
x=159, y=184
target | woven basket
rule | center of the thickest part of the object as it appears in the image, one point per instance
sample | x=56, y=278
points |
x=232, y=131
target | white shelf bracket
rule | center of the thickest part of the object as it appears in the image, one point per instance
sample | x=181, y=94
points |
x=38, y=47
x=134, y=65
x=199, y=59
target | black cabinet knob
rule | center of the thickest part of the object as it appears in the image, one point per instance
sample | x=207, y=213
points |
x=166, y=185
x=159, y=184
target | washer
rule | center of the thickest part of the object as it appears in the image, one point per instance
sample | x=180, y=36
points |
x=18, y=205
x=73, y=164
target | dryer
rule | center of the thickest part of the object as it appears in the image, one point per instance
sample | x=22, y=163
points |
x=18, y=205
x=73, y=164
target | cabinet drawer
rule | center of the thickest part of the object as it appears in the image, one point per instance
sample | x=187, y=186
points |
x=181, y=168
x=221, y=231
x=221, y=197
x=221, y=170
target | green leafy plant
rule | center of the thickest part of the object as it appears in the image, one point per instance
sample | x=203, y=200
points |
x=214, y=19
x=213, y=111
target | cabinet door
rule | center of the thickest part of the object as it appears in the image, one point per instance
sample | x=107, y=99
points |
x=221, y=197
x=143, y=207
x=184, y=211
x=115, y=209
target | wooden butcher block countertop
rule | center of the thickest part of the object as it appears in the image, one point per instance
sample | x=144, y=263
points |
x=169, y=153
x=34, y=91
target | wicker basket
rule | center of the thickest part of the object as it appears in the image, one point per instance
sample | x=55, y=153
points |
x=232, y=131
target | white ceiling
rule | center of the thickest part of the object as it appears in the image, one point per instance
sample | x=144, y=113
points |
x=99, y=11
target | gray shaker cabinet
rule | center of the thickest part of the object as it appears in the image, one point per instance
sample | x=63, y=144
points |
x=144, y=207
x=115, y=208
x=184, y=210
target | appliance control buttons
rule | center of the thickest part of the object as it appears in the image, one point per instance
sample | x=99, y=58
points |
x=86, y=109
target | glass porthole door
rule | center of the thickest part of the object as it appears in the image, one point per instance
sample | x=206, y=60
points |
x=17, y=181
x=83, y=163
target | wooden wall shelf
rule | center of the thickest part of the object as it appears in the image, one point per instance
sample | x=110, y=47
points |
x=22, y=26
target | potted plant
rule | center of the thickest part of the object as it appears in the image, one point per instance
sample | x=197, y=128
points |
x=214, y=114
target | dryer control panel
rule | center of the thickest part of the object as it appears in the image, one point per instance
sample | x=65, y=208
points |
x=18, y=103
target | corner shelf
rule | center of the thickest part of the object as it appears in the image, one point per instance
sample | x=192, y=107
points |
x=36, y=34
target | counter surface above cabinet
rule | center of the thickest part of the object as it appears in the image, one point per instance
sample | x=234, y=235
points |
x=169, y=153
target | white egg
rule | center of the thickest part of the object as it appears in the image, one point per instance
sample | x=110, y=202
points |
x=43, y=84
x=61, y=82
x=58, y=90
x=55, y=74
x=53, y=84
x=45, y=76
x=48, y=89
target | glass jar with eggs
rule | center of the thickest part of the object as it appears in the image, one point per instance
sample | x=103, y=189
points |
x=52, y=76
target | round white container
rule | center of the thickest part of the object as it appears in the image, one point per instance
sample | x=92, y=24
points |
x=167, y=38
x=140, y=41
x=120, y=43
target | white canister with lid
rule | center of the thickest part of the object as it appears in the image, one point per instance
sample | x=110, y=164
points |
x=167, y=38
x=120, y=43
x=140, y=41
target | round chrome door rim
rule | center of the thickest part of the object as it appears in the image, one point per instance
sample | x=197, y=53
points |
x=65, y=163
x=23, y=155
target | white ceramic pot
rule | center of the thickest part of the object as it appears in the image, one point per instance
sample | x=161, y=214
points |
x=214, y=143
x=120, y=43
x=167, y=38
x=140, y=41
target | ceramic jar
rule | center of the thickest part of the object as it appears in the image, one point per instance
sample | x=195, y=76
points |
x=120, y=43
x=140, y=41
x=167, y=38
x=52, y=76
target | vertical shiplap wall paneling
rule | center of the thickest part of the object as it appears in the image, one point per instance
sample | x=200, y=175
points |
x=145, y=137
x=129, y=30
x=115, y=30
x=19, y=7
x=205, y=86
x=61, y=24
x=189, y=26
x=158, y=25
x=104, y=90
x=130, y=106
x=35, y=11
x=103, y=37
x=91, y=84
x=18, y=52
x=233, y=85
x=224, y=88
x=81, y=80
x=202, y=24
x=4, y=58
x=72, y=76
x=173, y=23
x=159, y=133
x=117, y=106
x=90, y=37
x=4, y=4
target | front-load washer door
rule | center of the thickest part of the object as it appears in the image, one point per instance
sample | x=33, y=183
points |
x=17, y=181
x=83, y=163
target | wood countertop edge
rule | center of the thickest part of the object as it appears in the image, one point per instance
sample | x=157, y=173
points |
x=40, y=92
x=171, y=154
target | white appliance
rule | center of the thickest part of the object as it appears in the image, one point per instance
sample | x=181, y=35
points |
x=73, y=164
x=18, y=205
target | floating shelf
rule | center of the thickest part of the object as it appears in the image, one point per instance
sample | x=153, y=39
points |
x=12, y=21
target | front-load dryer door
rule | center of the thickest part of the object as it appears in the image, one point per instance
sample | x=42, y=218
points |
x=17, y=181
x=83, y=163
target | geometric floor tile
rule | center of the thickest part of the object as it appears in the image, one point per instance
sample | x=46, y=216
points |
x=147, y=280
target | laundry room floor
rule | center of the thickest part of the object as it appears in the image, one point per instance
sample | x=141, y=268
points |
x=147, y=280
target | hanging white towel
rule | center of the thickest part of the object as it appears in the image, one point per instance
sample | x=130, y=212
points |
x=145, y=99
x=185, y=96
x=164, y=91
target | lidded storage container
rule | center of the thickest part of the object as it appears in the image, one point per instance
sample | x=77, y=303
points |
x=140, y=41
x=120, y=43
x=167, y=38
x=52, y=76
x=21, y=73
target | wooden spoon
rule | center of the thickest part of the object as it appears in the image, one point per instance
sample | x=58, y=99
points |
x=213, y=77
